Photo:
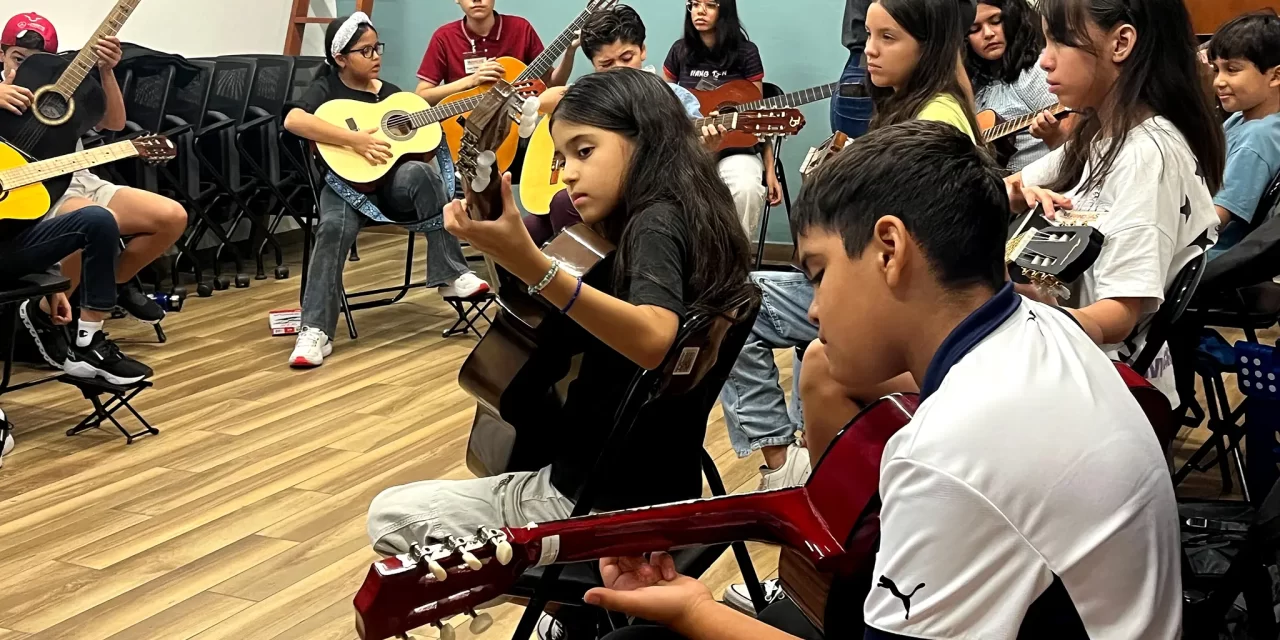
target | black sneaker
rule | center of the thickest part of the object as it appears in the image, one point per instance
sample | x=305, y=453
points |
x=134, y=302
x=50, y=338
x=103, y=359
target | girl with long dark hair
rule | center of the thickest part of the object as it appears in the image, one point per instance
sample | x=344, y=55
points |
x=715, y=49
x=1144, y=158
x=412, y=194
x=1005, y=41
x=638, y=175
x=912, y=52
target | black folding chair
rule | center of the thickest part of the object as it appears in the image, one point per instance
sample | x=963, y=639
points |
x=772, y=91
x=12, y=294
x=718, y=339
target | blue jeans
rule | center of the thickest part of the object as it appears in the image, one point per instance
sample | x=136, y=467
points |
x=41, y=246
x=755, y=409
x=851, y=115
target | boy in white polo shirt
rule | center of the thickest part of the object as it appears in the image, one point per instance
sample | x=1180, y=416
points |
x=1028, y=497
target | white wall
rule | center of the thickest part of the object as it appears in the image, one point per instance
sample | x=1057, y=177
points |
x=191, y=28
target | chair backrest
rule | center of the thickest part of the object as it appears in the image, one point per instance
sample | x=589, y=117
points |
x=704, y=341
x=273, y=84
x=1176, y=300
x=772, y=90
x=232, y=84
x=306, y=69
x=147, y=98
x=1267, y=203
x=190, y=101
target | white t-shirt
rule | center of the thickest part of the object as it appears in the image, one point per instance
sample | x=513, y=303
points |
x=1157, y=215
x=1028, y=491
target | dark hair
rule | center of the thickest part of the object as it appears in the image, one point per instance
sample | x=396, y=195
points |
x=1253, y=36
x=603, y=28
x=28, y=40
x=730, y=34
x=1023, y=37
x=1162, y=74
x=960, y=221
x=331, y=32
x=933, y=25
x=668, y=166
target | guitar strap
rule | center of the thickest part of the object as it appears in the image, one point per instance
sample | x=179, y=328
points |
x=360, y=202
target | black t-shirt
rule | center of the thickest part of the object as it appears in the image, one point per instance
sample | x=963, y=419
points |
x=660, y=461
x=331, y=87
x=713, y=73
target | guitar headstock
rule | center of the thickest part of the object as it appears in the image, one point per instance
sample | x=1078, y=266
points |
x=820, y=154
x=770, y=122
x=600, y=5
x=484, y=132
x=155, y=149
x=436, y=582
x=1051, y=255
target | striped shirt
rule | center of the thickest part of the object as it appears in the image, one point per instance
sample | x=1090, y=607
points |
x=1028, y=95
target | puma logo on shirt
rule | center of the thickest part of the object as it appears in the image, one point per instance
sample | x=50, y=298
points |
x=886, y=583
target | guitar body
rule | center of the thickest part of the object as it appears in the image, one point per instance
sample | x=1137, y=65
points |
x=453, y=129
x=70, y=121
x=1005, y=147
x=24, y=203
x=726, y=98
x=539, y=178
x=362, y=116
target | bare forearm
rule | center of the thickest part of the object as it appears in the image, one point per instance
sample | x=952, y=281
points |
x=714, y=621
x=560, y=75
x=115, y=116
x=433, y=94
x=306, y=125
x=1109, y=321
x=1224, y=216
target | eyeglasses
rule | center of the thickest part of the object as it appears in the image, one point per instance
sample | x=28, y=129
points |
x=368, y=52
x=705, y=6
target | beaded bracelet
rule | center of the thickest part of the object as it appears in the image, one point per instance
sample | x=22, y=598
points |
x=574, y=299
x=546, y=280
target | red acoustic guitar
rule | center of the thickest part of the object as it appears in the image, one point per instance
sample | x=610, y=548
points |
x=741, y=95
x=828, y=528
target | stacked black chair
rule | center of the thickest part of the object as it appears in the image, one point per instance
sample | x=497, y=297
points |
x=718, y=339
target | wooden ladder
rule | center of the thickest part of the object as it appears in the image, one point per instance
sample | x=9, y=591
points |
x=301, y=16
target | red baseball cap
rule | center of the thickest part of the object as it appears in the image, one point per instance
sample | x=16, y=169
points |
x=24, y=22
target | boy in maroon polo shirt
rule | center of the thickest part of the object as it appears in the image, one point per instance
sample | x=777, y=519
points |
x=462, y=54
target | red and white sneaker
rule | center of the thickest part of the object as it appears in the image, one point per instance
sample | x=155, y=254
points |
x=6, y=437
x=464, y=286
x=310, y=349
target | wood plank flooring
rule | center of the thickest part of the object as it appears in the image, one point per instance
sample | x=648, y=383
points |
x=244, y=519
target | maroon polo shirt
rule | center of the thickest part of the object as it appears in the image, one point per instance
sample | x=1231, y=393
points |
x=453, y=43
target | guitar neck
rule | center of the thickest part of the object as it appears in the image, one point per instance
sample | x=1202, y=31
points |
x=87, y=58
x=794, y=99
x=34, y=172
x=1016, y=125
x=783, y=517
x=547, y=59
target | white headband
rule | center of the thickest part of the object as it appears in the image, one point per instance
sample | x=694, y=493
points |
x=348, y=30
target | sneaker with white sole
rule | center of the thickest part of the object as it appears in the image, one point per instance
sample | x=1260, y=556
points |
x=103, y=359
x=464, y=286
x=739, y=598
x=550, y=629
x=6, y=437
x=51, y=340
x=793, y=472
x=311, y=348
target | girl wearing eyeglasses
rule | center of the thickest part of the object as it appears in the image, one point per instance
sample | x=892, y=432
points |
x=413, y=192
x=715, y=49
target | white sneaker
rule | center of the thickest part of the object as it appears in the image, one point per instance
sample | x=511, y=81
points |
x=311, y=349
x=550, y=629
x=793, y=472
x=6, y=437
x=464, y=286
x=739, y=598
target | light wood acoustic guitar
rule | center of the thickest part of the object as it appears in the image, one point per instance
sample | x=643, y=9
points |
x=540, y=178
x=23, y=191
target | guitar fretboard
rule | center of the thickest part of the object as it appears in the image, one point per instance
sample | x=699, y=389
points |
x=793, y=99
x=1016, y=125
x=29, y=174
x=87, y=58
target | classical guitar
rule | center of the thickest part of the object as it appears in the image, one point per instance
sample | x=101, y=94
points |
x=740, y=95
x=999, y=132
x=1053, y=253
x=404, y=121
x=820, y=154
x=68, y=102
x=459, y=104
x=28, y=188
x=540, y=178
x=829, y=529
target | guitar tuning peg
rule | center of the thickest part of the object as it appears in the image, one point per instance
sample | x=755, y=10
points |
x=471, y=561
x=446, y=631
x=527, y=127
x=479, y=622
x=503, y=552
x=480, y=182
x=529, y=110
x=437, y=570
x=486, y=159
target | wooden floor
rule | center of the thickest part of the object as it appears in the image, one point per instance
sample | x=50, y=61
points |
x=244, y=519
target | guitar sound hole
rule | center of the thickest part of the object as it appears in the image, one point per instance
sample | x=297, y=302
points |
x=397, y=126
x=52, y=106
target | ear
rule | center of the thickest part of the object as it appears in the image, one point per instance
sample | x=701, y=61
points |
x=889, y=244
x=1273, y=76
x=644, y=52
x=1124, y=40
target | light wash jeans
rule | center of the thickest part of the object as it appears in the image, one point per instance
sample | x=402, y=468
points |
x=416, y=186
x=755, y=408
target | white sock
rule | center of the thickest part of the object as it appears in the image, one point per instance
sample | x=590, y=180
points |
x=86, y=332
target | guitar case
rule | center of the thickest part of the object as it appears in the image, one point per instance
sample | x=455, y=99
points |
x=42, y=142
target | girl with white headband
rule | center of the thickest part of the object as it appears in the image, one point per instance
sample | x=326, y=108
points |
x=413, y=194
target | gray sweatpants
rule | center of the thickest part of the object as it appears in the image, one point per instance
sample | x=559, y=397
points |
x=432, y=510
